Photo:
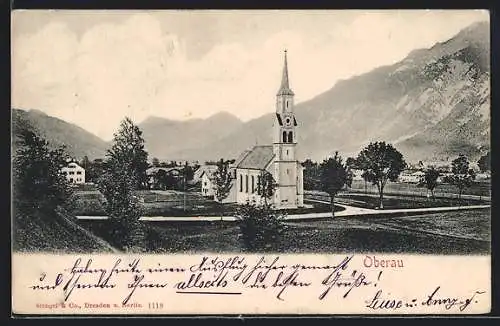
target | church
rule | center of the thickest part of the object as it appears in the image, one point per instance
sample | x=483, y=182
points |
x=278, y=158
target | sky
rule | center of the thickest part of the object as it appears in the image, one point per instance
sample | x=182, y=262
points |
x=93, y=68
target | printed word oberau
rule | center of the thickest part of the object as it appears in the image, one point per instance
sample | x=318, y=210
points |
x=377, y=262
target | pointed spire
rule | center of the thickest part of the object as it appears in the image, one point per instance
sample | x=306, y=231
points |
x=285, y=86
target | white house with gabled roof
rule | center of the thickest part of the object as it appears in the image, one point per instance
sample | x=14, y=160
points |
x=74, y=173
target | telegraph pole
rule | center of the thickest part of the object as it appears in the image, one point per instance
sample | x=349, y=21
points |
x=185, y=181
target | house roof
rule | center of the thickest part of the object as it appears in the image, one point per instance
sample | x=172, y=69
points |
x=258, y=157
x=209, y=173
x=156, y=169
x=74, y=165
x=202, y=169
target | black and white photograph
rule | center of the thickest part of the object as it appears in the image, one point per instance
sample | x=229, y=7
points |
x=259, y=131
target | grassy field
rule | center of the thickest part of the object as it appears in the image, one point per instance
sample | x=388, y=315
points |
x=440, y=233
x=174, y=203
x=478, y=188
x=177, y=203
x=398, y=202
x=371, y=201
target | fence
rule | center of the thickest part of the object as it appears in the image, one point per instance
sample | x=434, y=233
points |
x=480, y=191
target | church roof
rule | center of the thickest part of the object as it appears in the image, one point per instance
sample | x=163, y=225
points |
x=257, y=158
x=241, y=157
x=285, y=85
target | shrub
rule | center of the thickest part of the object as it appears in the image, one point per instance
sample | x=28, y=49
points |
x=261, y=228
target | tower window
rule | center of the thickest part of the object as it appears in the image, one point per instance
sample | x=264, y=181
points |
x=284, y=136
x=241, y=183
x=253, y=184
x=287, y=152
x=287, y=104
x=246, y=183
x=290, y=137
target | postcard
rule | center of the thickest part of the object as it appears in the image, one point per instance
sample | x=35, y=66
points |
x=232, y=162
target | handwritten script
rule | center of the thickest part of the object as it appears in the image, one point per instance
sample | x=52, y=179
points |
x=240, y=275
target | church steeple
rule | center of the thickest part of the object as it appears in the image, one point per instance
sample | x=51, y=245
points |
x=285, y=86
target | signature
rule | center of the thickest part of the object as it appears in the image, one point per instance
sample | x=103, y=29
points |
x=384, y=301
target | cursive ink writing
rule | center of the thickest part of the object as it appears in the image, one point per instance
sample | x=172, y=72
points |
x=138, y=283
x=384, y=301
x=449, y=302
x=197, y=281
x=336, y=279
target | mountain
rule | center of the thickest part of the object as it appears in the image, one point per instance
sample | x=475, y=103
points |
x=170, y=139
x=434, y=104
x=57, y=132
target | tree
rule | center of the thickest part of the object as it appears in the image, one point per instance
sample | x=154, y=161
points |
x=380, y=163
x=95, y=170
x=311, y=174
x=333, y=176
x=484, y=162
x=266, y=186
x=351, y=162
x=128, y=148
x=188, y=172
x=155, y=162
x=164, y=180
x=261, y=228
x=85, y=163
x=40, y=187
x=365, y=177
x=430, y=178
x=125, y=161
x=462, y=176
x=222, y=183
x=349, y=177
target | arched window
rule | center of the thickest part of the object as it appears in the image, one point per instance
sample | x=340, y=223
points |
x=290, y=137
x=287, y=104
x=284, y=136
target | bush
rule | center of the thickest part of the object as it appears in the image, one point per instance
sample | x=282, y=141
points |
x=261, y=229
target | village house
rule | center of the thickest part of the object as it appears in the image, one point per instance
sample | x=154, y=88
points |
x=357, y=175
x=201, y=170
x=411, y=176
x=206, y=180
x=208, y=185
x=174, y=173
x=74, y=173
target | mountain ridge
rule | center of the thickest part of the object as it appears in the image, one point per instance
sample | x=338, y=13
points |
x=432, y=104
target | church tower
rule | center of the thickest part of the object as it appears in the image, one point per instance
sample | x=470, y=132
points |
x=287, y=170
